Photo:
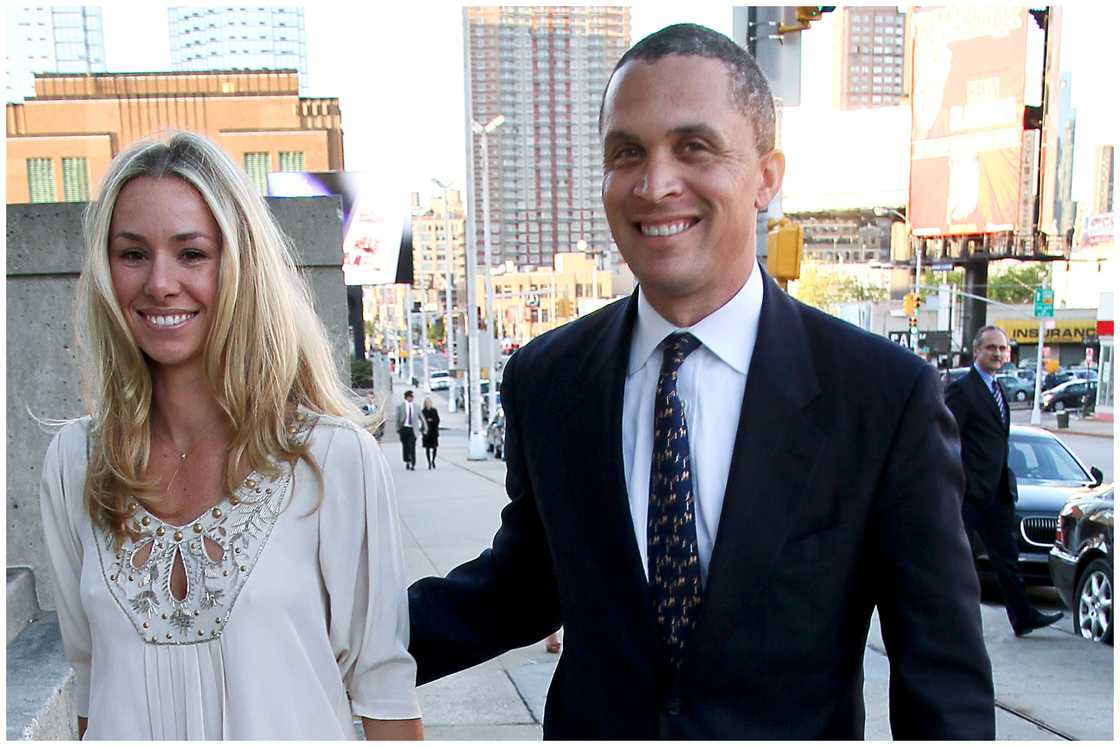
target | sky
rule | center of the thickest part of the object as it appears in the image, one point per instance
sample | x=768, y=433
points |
x=397, y=70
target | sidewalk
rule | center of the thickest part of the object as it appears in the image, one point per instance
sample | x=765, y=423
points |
x=1078, y=425
x=450, y=514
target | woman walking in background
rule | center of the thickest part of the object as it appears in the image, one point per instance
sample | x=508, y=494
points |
x=222, y=527
x=431, y=431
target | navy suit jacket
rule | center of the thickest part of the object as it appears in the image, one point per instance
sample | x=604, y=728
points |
x=984, y=434
x=844, y=495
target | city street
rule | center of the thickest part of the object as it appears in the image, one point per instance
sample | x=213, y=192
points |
x=1049, y=685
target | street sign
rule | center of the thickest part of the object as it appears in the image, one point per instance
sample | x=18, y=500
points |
x=532, y=301
x=1043, y=302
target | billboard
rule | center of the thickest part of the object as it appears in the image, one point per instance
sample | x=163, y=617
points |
x=966, y=138
x=376, y=225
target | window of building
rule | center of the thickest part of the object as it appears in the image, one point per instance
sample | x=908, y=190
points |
x=75, y=179
x=40, y=179
x=256, y=165
x=291, y=160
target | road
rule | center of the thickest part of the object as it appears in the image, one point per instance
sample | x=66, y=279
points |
x=1049, y=685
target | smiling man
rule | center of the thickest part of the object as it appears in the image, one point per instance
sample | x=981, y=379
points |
x=712, y=486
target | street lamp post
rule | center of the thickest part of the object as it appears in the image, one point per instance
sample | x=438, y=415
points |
x=880, y=212
x=448, y=325
x=483, y=131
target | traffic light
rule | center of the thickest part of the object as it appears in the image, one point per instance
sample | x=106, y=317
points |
x=784, y=243
x=803, y=15
x=910, y=303
x=812, y=12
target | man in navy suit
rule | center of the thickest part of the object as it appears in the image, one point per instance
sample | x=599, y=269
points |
x=712, y=487
x=980, y=405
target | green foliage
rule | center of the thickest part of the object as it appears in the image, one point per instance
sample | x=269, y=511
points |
x=436, y=332
x=1017, y=282
x=361, y=374
x=827, y=286
x=1012, y=282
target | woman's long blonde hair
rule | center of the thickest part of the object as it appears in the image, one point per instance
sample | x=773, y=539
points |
x=266, y=350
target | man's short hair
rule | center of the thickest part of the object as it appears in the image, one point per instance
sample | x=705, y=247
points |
x=986, y=328
x=407, y=393
x=749, y=88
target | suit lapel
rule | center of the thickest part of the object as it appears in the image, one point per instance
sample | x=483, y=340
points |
x=774, y=459
x=590, y=406
x=982, y=391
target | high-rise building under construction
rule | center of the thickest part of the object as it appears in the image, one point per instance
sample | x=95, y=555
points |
x=543, y=68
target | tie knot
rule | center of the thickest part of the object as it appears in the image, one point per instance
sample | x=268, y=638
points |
x=677, y=347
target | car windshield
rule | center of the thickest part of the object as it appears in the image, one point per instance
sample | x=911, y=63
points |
x=1042, y=458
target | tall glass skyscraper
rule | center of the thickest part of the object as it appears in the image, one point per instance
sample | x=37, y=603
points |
x=45, y=39
x=238, y=37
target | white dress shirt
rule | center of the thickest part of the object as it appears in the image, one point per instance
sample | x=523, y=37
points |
x=711, y=384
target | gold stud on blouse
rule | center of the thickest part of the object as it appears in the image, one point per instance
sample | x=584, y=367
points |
x=178, y=535
x=146, y=520
x=243, y=569
x=197, y=528
x=216, y=513
x=159, y=531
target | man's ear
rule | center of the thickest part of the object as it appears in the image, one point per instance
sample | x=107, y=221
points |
x=773, y=166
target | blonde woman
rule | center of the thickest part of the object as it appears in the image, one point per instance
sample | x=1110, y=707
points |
x=222, y=531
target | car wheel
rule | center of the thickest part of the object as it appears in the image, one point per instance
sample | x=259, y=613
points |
x=1020, y=396
x=1059, y=406
x=1092, y=612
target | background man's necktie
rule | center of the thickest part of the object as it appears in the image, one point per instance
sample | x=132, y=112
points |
x=674, y=565
x=1000, y=403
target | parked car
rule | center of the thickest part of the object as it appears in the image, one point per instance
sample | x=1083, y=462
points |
x=1068, y=396
x=1063, y=375
x=950, y=375
x=1047, y=473
x=438, y=380
x=496, y=434
x=1018, y=390
x=1081, y=562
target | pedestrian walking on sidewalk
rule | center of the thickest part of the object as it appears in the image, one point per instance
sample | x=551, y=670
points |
x=713, y=486
x=222, y=454
x=410, y=426
x=980, y=405
x=431, y=431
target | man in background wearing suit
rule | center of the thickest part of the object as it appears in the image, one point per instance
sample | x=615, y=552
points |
x=712, y=487
x=979, y=403
x=409, y=428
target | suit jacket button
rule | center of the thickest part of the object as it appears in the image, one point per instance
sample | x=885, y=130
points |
x=673, y=707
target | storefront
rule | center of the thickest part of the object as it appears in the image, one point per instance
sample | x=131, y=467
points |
x=1071, y=341
x=1105, y=391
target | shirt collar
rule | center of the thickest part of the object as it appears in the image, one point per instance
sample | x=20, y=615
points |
x=729, y=331
x=988, y=379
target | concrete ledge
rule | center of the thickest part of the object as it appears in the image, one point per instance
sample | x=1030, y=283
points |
x=40, y=684
x=22, y=604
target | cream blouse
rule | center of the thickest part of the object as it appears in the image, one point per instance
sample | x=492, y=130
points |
x=295, y=617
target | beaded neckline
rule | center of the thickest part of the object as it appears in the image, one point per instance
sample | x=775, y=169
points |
x=217, y=551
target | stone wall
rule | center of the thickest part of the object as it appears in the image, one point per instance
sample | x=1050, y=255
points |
x=44, y=254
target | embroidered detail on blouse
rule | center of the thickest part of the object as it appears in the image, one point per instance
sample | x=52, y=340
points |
x=217, y=551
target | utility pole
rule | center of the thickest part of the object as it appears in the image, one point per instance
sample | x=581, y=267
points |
x=482, y=131
x=449, y=319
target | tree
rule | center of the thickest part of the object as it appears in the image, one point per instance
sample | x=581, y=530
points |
x=827, y=286
x=436, y=332
x=1017, y=281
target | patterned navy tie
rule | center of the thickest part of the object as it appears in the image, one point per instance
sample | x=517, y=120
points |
x=1000, y=403
x=674, y=566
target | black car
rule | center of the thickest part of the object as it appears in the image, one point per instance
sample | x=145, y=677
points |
x=1068, y=396
x=1047, y=473
x=1081, y=562
x=948, y=376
